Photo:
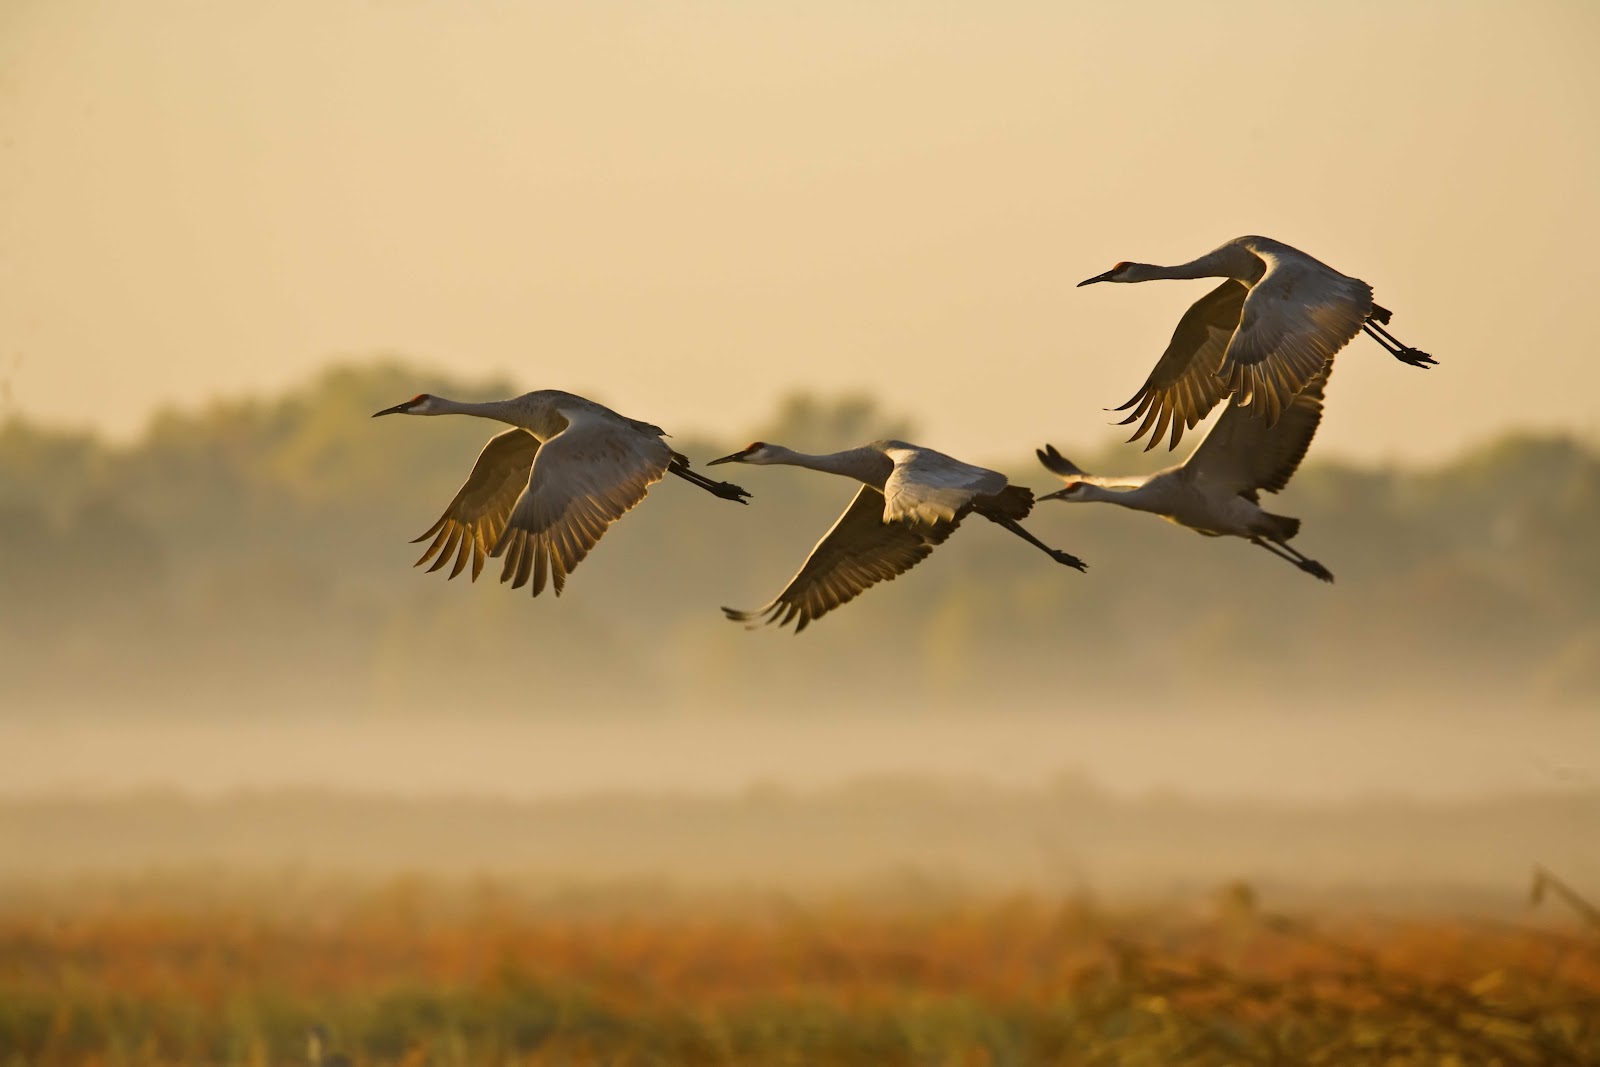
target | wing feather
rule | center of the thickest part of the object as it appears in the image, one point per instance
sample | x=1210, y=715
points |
x=1246, y=452
x=583, y=479
x=1295, y=318
x=929, y=487
x=478, y=512
x=858, y=552
x=1186, y=384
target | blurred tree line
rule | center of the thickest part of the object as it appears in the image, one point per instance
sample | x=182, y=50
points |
x=253, y=556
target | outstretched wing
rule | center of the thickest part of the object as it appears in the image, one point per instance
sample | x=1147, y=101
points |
x=1296, y=317
x=1244, y=453
x=473, y=522
x=860, y=551
x=1187, y=380
x=584, y=479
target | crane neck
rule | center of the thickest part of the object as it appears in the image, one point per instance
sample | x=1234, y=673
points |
x=866, y=465
x=1129, y=493
x=1229, y=261
x=508, y=411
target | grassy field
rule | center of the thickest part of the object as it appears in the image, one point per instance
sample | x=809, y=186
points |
x=179, y=973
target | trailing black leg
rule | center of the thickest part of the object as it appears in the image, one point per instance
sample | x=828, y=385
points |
x=1054, y=553
x=1295, y=556
x=725, y=490
x=1392, y=345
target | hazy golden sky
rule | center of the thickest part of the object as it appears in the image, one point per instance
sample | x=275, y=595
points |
x=687, y=209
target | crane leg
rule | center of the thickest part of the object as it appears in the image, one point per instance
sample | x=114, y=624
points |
x=725, y=490
x=1295, y=556
x=1392, y=345
x=1054, y=553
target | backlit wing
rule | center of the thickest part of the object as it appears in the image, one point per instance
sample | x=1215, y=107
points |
x=860, y=551
x=1187, y=380
x=1296, y=317
x=473, y=522
x=584, y=479
x=1243, y=453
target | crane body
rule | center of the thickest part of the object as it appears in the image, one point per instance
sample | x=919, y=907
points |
x=1217, y=490
x=911, y=499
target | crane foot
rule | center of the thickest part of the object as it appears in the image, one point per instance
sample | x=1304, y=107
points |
x=1315, y=569
x=729, y=491
x=1069, y=559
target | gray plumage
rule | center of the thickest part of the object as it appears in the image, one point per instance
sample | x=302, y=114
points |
x=911, y=500
x=542, y=495
x=1217, y=490
x=1260, y=336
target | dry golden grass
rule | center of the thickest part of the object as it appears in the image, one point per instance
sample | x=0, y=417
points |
x=410, y=975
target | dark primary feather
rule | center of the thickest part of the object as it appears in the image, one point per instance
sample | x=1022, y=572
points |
x=859, y=551
x=1187, y=381
x=1056, y=463
x=476, y=516
x=1252, y=453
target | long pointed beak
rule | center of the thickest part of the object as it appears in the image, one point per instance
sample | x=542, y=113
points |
x=1106, y=277
x=1057, y=495
x=737, y=457
x=398, y=409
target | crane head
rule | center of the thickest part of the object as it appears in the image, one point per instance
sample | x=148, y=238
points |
x=417, y=405
x=754, y=452
x=1115, y=274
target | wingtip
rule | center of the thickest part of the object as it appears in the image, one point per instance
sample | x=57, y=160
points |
x=1125, y=405
x=750, y=620
x=1053, y=461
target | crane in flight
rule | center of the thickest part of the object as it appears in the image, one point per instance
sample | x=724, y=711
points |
x=1216, y=491
x=541, y=494
x=910, y=501
x=1260, y=336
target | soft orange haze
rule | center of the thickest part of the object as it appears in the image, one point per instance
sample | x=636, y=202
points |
x=691, y=208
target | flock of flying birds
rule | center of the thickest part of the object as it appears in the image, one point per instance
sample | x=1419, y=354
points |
x=542, y=493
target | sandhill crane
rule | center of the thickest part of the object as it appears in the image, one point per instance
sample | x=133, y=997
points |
x=1216, y=490
x=911, y=499
x=542, y=494
x=1261, y=335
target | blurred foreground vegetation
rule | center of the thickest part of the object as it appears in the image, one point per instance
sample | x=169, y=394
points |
x=254, y=555
x=475, y=975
